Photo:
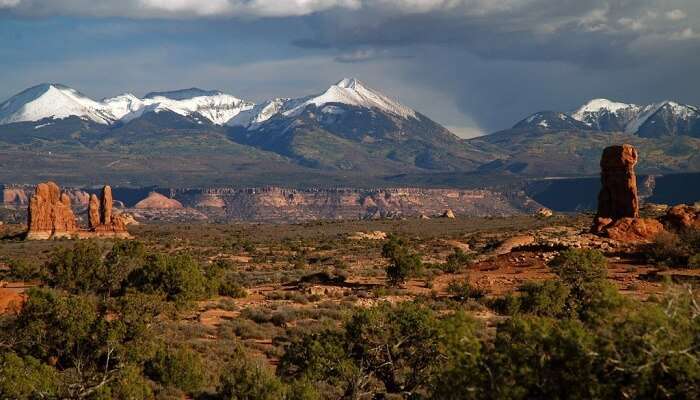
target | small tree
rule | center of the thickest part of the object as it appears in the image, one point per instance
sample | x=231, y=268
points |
x=179, y=367
x=402, y=262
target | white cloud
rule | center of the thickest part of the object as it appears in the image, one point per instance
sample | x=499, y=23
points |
x=676, y=15
x=8, y=3
x=685, y=34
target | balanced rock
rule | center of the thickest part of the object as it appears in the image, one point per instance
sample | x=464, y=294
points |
x=618, y=196
x=50, y=214
x=618, y=205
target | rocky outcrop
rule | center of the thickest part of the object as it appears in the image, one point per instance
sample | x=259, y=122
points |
x=544, y=212
x=509, y=244
x=156, y=200
x=682, y=217
x=632, y=230
x=449, y=214
x=102, y=221
x=50, y=215
x=618, y=205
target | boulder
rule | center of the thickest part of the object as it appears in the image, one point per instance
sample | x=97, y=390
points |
x=448, y=214
x=682, y=217
x=545, y=212
x=50, y=214
x=633, y=230
x=618, y=196
x=156, y=200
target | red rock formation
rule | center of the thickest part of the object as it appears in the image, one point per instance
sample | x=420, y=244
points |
x=107, y=202
x=50, y=214
x=682, y=217
x=618, y=196
x=618, y=205
x=632, y=230
x=156, y=200
x=94, y=212
x=102, y=220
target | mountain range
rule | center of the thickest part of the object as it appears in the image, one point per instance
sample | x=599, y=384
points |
x=666, y=118
x=350, y=134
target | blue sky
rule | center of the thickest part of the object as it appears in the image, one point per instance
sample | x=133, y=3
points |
x=475, y=66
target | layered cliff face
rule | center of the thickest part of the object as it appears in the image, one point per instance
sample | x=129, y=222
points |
x=279, y=204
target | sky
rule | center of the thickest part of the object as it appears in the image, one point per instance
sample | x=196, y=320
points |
x=475, y=66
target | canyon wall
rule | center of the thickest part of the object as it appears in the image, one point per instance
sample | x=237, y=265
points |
x=281, y=204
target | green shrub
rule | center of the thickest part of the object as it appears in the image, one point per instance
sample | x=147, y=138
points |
x=667, y=249
x=25, y=270
x=584, y=272
x=402, y=262
x=548, y=298
x=177, y=277
x=76, y=269
x=463, y=291
x=179, y=367
x=26, y=378
x=245, y=379
x=456, y=262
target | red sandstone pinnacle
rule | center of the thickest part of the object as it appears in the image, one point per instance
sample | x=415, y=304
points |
x=93, y=212
x=106, y=217
x=618, y=195
x=618, y=204
x=50, y=214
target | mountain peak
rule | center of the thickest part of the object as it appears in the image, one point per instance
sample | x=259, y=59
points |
x=183, y=94
x=349, y=83
x=597, y=105
x=51, y=100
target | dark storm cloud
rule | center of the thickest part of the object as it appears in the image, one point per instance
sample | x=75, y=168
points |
x=516, y=57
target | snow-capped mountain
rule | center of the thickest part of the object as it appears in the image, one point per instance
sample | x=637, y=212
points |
x=551, y=120
x=57, y=101
x=218, y=107
x=667, y=118
x=349, y=92
x=51, y=100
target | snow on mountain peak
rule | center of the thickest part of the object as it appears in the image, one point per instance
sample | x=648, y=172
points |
x=349, y=83
x=52, y=100
x=183, y=94
x=352, y=92
x=597, y=105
